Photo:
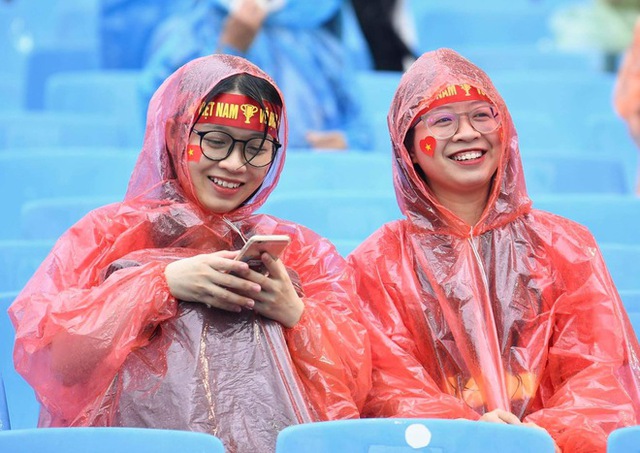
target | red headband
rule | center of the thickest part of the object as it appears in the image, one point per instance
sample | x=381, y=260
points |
x=458, y=93
x=241, y=111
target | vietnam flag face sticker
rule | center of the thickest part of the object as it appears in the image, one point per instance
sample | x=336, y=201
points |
x=428, y=146
x=194, y=153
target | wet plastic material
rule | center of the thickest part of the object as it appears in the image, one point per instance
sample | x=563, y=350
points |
x=517, y=313
x=104, y=343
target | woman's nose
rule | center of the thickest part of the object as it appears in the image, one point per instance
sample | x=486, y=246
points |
x=465, y=129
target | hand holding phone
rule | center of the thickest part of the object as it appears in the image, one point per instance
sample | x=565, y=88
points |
x=273, y=244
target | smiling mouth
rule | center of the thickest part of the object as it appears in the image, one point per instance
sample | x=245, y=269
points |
x=225, y=184
x=467, y=155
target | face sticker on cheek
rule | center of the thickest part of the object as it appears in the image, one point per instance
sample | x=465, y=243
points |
x=194, y=153
x=428, y=146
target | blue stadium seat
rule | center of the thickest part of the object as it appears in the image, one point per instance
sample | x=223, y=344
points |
x=400, y=435
x=631, y=301
x=458, y=27
x=592, y=134
x=19, y=259
x=623, y=262
x=110, y=94
x=5, y=423
x=378, y=89
x=515, y=57
x=48, y=218
x=568, y=96
x=43, y=62
x=21, y=401
x=10, y=93
x=31, y=174
x=338, y=214
x=610, y=218
x=353, y=170
x=6, y=330
x=624, y=440
x=346, y=246
x=556, y=173
x=26, y=129
x=108, y=440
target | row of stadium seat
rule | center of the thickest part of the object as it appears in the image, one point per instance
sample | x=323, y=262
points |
x=364, y=435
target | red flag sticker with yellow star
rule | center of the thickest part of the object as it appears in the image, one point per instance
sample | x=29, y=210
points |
x=194, y=153
x=428, y=146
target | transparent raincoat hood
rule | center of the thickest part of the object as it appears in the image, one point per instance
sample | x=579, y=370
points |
x=517, y=312
x=103, y=342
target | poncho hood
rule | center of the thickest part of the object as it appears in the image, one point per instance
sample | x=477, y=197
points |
x=427, y=77
x=162, y=168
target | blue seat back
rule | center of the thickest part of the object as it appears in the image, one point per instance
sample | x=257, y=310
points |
x=412, y=436
x=333, y=171
x=623, y=262
x=336, y=215
x=30, y=174
x=108, y=93
x=624, y=440
x=610, y=218
x=108, y=440
x=44, y=129
x=5, y=423
x=23, y=407
x=571, y=174
x=19, y=259
x=48, y=218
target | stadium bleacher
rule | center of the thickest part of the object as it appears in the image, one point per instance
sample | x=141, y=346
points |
x=71, y=128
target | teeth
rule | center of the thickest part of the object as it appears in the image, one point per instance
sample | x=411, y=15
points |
x=467, y=156
x=228, y=185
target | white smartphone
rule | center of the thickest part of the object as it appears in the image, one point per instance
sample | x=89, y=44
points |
x=273, y=244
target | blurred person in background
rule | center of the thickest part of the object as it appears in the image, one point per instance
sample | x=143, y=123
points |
x=604, y=26
x=627, y=91
x=389, y=32
x=294, y=41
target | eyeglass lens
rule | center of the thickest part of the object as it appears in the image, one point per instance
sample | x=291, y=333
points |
x=444, y=124
x=218, y=145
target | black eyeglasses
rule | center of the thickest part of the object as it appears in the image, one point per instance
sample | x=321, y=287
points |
x=218, y=145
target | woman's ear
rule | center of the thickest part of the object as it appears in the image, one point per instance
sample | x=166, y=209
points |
x=408, y=144
x=175, y=132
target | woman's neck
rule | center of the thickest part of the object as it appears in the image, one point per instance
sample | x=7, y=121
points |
x=468, y=207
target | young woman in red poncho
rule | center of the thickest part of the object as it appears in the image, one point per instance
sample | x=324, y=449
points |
x=140, y=316
x=492, y=310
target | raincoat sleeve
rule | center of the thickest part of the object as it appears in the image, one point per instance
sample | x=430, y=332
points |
x=74, y=330
x=589, y=387
x=329, y=345
x=402, y=387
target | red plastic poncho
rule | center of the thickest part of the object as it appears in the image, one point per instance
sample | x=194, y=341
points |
x=518, y=312
x=103, y=342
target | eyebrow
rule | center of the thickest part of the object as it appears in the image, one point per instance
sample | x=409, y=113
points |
x=208, y=127
x=448, y=107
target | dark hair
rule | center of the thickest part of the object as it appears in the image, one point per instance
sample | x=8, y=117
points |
x=254, y=87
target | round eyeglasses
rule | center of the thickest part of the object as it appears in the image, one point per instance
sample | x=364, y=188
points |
x=442, y=125
x=218, y=145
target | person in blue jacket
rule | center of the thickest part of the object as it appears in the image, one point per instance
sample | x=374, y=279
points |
x=293, y=41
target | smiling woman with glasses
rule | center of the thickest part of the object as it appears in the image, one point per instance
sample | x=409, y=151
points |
x=143, y=315
x=496, y=311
